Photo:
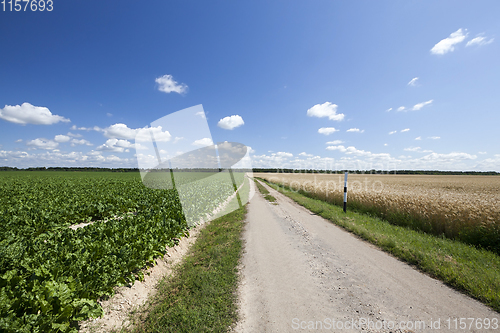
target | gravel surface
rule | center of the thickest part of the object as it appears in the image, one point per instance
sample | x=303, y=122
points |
x=301, y=272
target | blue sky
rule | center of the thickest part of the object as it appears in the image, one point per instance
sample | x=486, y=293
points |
x=305, y=84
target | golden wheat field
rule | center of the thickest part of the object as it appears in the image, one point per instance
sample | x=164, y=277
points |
x=441, y=204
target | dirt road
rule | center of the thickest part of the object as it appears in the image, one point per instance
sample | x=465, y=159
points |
x=301, y=272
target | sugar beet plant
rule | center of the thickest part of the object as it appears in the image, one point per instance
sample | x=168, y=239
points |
x=51, y=275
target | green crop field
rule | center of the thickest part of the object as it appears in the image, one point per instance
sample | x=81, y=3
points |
x=51, y=275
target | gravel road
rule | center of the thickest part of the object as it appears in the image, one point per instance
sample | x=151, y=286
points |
x=300, y=272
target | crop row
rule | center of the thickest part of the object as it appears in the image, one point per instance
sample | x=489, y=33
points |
x=50, y=275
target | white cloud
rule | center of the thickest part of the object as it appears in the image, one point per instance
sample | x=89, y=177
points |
x=326, y=109
x=355, y=130
x=480, y=40
x=30, y=114
x=109, y=114
x=351, y=150
x=122, y=131
x=413, y=82
x=95, y=128
x=75, y=142
x=305, y=154
x=339, y=148
x=418, y=106
x=61, y=138
x=392, y=132
x=482, y=152
x=283, y=154
x=327, y=130
x=119, y=146
x=335, y=142
x=158, y=133
x=448, y=44
x=231, y=122
x=167, y=84
x=74, y=135
x=201, y=114
x=451, y=157
x=401, y=108
x=385, y=144
x=388, y=110
x=19, y=140
x=357, y=159
x=405, y=130
x=57, y=158
x=417, y=149
x=203, y=142
x=418, y=138
x=42, y=144
x=434, y=137
x=178, y=138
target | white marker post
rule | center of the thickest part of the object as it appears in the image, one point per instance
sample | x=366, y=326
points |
x=345, y=192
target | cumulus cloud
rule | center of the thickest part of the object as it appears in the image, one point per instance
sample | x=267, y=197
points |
x=401, y=108
x=434, y=137
x=122, y=131
x=388, y=110
x=417, y=149
x=339, y=148
x=283, y=154
x=405, y=130
x=231, y=122
x=73, y=135
x=75, y=142
x=448, y=44
x=451, y=157
x=351, y=150
x=418, y=106
x=29, y=114
x=327, y=130
x=335, y=142
x=167, y=84
x=119, y=146
x=42, y=144
x=305, y=154
x=355, y=130
x=203, y=142
x=61, y=138
x=480, y=40
x=326, y=109
x=418, y=138
x=413, y=82
x=392, y=132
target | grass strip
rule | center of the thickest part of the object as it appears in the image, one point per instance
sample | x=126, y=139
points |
x=472, y=270
x=201, y=294
x=265, y=192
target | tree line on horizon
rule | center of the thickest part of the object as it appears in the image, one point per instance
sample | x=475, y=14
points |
x=269, y=170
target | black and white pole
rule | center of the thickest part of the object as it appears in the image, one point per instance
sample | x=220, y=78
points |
x=345, y=192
